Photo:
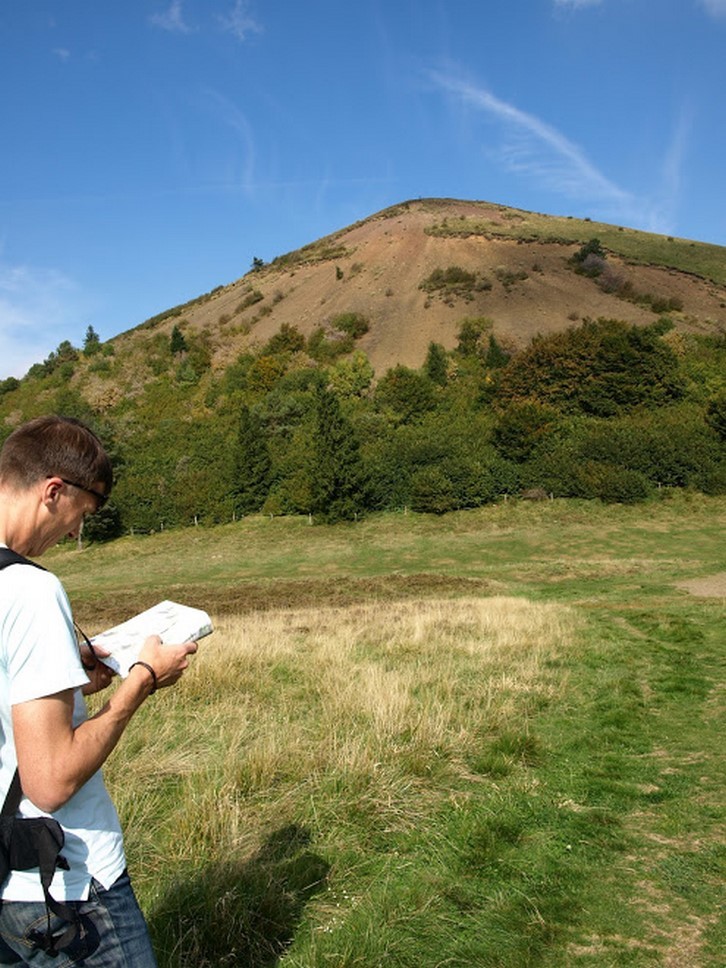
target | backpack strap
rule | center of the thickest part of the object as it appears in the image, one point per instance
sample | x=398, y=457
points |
x=10, y=557
x=14, y=794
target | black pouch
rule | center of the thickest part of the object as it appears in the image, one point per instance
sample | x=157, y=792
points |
x=27, y=843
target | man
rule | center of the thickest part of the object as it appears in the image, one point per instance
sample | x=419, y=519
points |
x=53, y=472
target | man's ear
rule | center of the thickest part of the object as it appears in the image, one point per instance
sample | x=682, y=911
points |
x=50, y=490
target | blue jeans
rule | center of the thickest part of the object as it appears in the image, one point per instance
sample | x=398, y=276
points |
x=113, y=932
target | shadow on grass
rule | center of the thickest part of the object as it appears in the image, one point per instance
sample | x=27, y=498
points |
x=239, y=913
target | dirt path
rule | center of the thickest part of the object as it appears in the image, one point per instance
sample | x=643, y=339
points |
x=713, y=586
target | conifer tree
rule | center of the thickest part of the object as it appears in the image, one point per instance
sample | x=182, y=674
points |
x=436, y=365
x=91, y=342
x=177, y=343
x=252, y=465
x=339, y=484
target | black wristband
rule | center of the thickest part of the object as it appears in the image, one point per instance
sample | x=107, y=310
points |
x=148, y=669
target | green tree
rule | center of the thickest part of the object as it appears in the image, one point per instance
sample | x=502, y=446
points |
x=602, y=368
x=91, y=342
x=470, y=336
x=406, y=393
x=8, y=385
x=716, y=414
x=351, y=377
x=522, y=428
x=177, y=343
x=495, y=356
x=104, y=525
x=252, y=465
x=339, y=484
x=436, y=365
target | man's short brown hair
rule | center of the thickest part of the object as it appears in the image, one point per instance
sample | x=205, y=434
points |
x=55, y=447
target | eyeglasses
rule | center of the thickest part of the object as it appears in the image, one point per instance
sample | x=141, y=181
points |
x=101, y=498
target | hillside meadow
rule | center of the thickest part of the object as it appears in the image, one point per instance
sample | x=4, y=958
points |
x=491, y=738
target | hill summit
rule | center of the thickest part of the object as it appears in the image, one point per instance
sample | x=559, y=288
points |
x=516, y=269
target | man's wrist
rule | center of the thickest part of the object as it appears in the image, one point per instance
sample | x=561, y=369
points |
x=150, y=670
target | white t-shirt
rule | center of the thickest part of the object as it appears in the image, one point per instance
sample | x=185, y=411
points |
x=39, y=657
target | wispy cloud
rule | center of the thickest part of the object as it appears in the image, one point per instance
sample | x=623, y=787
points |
x=240, y=22
x=240, y=172
x=38, y=309
x=663, y=214
x=717, y=8
x=576, y=4
x=172, y=19
x=535, y=149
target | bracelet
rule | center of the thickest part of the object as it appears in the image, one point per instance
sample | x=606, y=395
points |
x=148, y=669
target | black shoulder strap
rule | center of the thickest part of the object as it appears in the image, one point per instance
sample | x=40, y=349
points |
x=10, y=557
x=14, y=794
x=47, y=832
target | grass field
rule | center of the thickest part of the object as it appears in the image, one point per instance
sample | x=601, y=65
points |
x=488, y=739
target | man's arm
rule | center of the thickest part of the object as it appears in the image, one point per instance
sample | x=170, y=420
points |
x=54, y=759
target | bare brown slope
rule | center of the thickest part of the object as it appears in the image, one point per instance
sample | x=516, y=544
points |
x=376, y=268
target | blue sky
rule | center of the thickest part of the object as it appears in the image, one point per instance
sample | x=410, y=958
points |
x=152, y=148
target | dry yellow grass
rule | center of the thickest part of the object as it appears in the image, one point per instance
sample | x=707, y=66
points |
x=372, y=708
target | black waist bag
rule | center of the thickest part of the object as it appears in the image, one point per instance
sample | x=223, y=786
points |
x=27, y=843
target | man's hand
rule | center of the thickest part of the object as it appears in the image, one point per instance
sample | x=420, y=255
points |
x=99, y=674
x=167, y=661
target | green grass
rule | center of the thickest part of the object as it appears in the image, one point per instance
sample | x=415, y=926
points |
x=647, y=248
x=487, y=739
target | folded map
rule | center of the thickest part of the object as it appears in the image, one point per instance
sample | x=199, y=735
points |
x=173, y=623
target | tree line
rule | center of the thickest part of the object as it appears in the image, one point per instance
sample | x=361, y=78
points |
x=604, y=410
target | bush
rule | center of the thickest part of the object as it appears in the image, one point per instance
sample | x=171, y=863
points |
x=470, y=336
x=453, y=281
x=8, y=385
x=522, y=428
x=610, y=483
x=406, y=393
x=432, y=491
x=288, y=339
x=354, y=324
x=590, y=259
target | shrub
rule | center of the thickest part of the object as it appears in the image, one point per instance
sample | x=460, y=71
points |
x=249, y=300
x=590, y=259
x=288, y=339
x=354, y=324
x=405, y=392
x=509, y=277
x=522, y=428
x=324, y=347
x=453, y=281
x=471, y=334
x=432, y=491
x=8, y=385
x=610, y=483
